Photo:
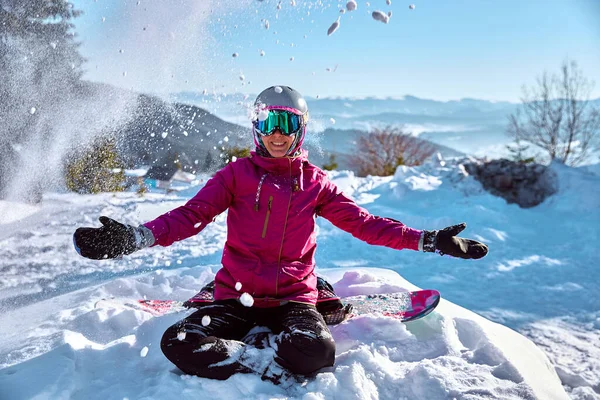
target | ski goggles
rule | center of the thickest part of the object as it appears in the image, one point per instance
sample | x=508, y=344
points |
x=287, y=122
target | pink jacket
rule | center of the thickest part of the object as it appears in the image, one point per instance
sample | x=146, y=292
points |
x=271, y=239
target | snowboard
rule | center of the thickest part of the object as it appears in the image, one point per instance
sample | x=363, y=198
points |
x=404, y=306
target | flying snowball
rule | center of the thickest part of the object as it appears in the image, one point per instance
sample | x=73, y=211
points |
x=266, y=24
x=238, y=286
x=412, y=6
x=351, y=5
x=32, y=110
x=388, y=2
x=291, y=58
x=389, y=14
x=380, y=16
x=181, y=335
x=242, y=77
x=278, y=89
x=342, y=11
x=144, y=352
x=263, y=115
x=332, y=120
x=293, y=3
x=206, y=320
x=247, y=300
x=333, y=27
x=262, y=53
x=234, y=55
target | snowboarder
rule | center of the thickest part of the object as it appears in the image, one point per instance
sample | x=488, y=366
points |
x=267, y=276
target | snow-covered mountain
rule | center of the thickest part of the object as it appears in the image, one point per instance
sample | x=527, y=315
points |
x=539, y=279
x=468, y=125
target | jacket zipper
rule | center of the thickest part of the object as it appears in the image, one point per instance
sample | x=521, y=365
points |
x=264, y=232
x=287, y=213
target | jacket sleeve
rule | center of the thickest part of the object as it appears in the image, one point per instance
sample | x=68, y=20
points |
x=189, y=219
x=345, y=214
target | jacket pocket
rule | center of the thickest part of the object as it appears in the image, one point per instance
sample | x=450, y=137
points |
x=296, y=272
x=267, y=216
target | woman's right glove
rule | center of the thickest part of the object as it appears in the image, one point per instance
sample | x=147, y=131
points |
x=112, y=240
x=447, y=242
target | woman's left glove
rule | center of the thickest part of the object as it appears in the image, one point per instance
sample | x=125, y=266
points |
x=447, y=242
x=113, y=239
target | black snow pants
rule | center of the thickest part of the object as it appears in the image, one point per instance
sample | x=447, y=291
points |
x=226, y=337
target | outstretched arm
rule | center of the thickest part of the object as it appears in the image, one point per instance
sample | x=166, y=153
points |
x=114, y=239
x=348, y=216
x=345, y=214
x=189, y=219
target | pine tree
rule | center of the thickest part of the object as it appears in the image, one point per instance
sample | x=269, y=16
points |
x=39, y=59
x=40, y=68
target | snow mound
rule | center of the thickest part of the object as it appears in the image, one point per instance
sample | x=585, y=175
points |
x=452, y=353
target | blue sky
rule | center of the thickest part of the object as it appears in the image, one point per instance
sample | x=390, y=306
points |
x=443, y=49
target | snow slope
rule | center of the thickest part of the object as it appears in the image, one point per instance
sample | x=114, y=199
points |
x=54, y=344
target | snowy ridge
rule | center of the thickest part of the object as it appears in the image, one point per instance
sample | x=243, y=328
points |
x=55, y=344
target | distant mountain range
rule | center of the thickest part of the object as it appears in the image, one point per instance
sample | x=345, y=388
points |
x=467, y=126
x=470, y=126
x=160, y=132
x=194, y=128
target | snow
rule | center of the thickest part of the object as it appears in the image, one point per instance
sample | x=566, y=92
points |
x=380, y=16
x=522, y=323
x=334, y=26
x=247, y=299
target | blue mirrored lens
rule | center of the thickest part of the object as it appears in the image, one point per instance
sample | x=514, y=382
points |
x=288, y=123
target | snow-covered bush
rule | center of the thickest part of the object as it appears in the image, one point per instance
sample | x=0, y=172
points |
x=99, y=169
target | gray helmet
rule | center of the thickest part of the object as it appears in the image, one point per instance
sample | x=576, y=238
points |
x=281, y=98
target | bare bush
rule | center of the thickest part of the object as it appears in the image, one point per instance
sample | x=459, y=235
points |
x=383, y=150
x=558, y=116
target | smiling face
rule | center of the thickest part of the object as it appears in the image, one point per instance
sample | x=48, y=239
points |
x=277, y=144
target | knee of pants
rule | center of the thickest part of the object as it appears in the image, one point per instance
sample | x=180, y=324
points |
x=304, y=354
x=173, y=347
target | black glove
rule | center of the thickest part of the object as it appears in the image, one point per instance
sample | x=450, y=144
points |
x=446, y=242
x=112, y=240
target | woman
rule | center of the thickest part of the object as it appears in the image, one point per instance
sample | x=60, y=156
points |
x=272, y=198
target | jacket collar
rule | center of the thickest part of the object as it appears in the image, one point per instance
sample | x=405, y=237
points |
x=282, y=165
